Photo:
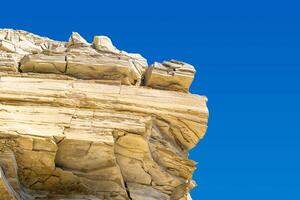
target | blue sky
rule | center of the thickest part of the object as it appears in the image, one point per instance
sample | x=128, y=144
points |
x=247, y=56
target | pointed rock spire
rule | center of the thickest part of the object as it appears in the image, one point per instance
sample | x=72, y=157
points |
x=76, y=39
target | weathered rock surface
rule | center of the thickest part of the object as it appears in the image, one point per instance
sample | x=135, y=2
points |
x=88, y=121
x=170, y=75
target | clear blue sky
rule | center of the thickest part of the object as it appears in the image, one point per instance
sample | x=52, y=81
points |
x=247, y=54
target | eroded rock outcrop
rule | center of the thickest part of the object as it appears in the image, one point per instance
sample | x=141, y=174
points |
x=89, y=121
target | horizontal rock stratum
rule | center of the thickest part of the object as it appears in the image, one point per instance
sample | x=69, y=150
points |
x=88, y=121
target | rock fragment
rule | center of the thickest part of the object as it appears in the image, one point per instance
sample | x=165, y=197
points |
x=103, y=43
x=170, y=75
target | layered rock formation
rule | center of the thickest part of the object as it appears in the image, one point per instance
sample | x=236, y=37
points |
x=88, y=121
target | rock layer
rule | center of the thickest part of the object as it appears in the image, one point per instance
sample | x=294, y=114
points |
x=88, y=121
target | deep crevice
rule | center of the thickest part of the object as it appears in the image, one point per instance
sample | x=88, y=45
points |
x=127, y=190
x=125, y=183
x=66, y=65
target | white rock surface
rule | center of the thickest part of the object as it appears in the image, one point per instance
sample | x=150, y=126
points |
x=76, y=40
x=103, y=43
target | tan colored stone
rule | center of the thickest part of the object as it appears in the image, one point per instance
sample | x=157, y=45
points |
x=102, y=67
x=8, y=63
x=6, y=191
x=170, y=75
x=9, y=165
x=7, y=46
x=82, y=121
x=41, y=63
x=142, y=192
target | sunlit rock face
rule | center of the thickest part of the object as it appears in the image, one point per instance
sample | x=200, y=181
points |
x=87, y=121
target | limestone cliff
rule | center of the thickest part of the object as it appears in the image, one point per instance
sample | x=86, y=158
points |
x=88, y=121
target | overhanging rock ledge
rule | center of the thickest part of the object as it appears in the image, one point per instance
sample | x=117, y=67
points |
x=87, y=121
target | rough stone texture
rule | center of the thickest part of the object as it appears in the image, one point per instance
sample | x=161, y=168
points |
x=170, y=75
x=88, y=121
